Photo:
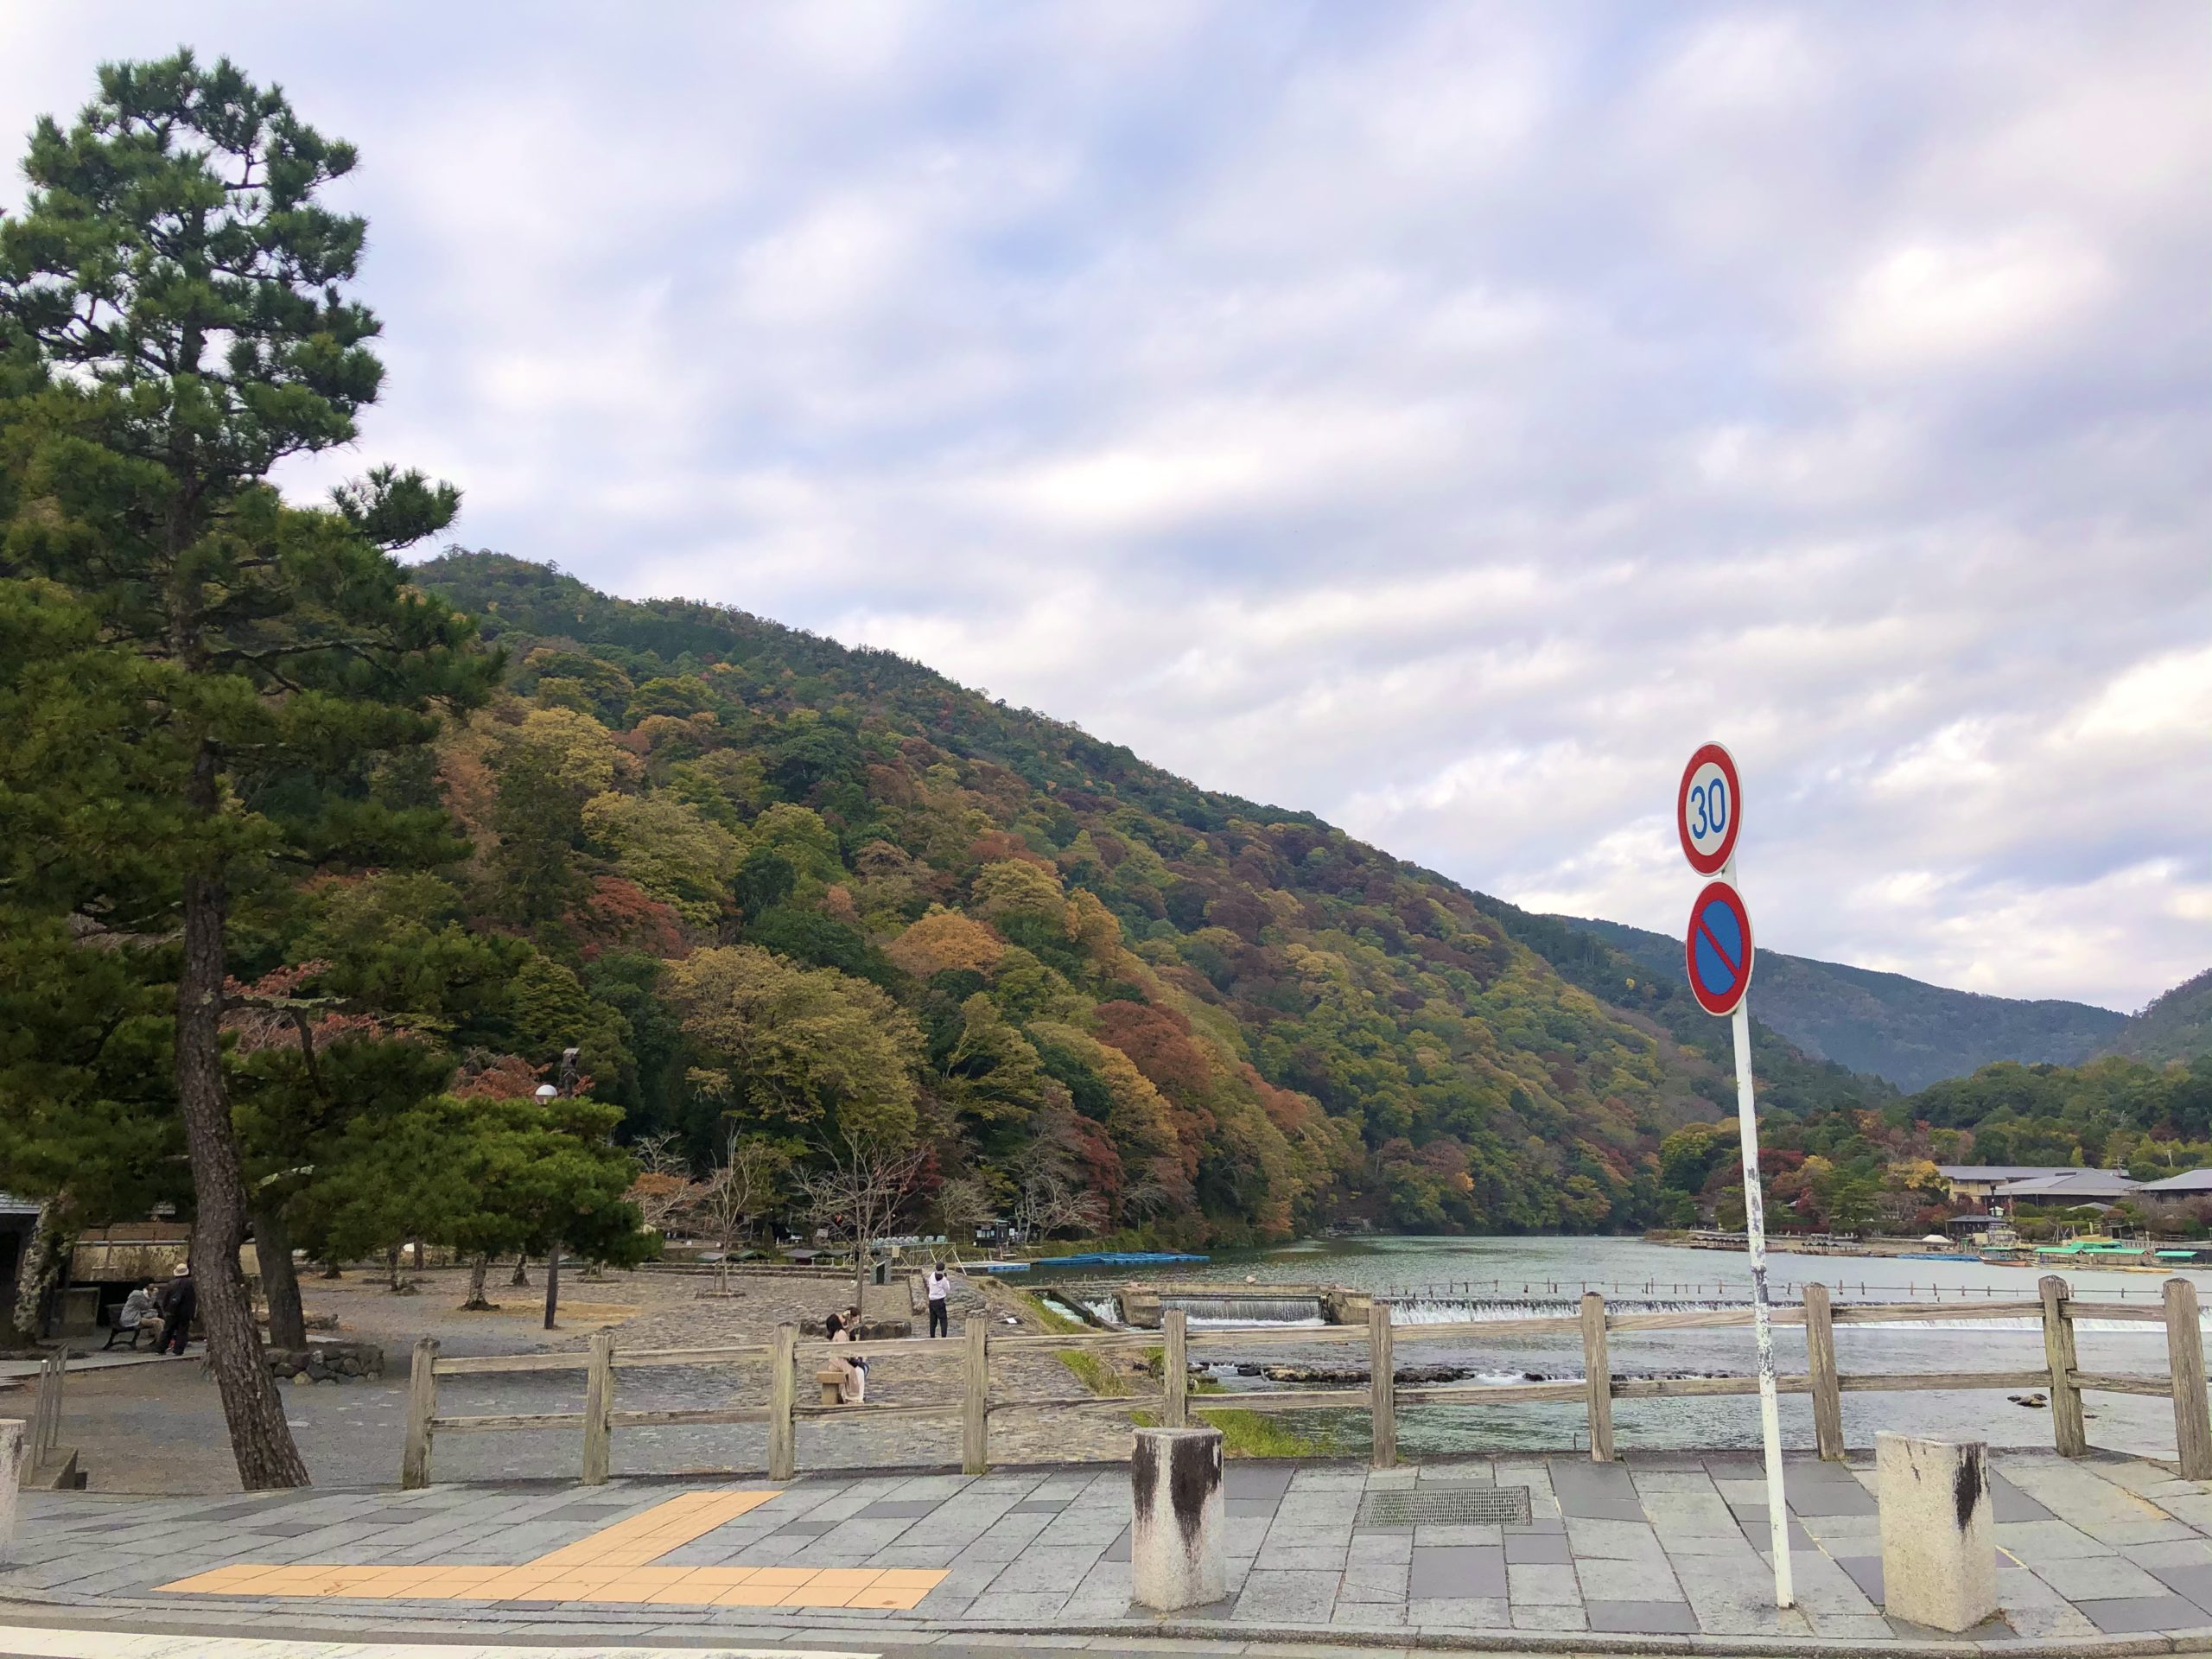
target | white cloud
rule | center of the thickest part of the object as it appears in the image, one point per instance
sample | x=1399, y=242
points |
x=1441, y=418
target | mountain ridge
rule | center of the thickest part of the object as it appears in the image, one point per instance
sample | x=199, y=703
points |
x=1909, y=1032
x=1393, y=1045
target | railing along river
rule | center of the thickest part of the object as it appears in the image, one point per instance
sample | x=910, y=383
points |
x=975, y=1408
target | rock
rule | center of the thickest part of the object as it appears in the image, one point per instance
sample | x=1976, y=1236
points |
x=298, y=1378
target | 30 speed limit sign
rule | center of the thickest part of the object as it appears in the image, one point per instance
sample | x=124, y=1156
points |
x=1708, y=808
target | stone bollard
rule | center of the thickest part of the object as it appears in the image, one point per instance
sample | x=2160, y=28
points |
x=15, y=1451
x=1178, y=1528
x=1939, y=1556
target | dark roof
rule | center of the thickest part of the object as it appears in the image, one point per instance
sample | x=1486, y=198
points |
x=1999, y=1172
x=2190, y=1180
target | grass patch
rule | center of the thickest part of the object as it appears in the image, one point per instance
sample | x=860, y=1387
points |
x=1250, y=1434
x=1094, y=1374
x=1257, y=1434
x=1055, y=1323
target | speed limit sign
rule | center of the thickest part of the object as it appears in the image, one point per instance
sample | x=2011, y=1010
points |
x=1709, y=809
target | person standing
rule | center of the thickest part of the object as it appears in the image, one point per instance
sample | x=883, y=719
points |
x=940, y=1295
x=179, y=1307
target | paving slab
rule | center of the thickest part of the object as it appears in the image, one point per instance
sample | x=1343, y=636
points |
x=1656, y=1552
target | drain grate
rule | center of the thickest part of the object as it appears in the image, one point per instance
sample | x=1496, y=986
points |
x=1449, y=1504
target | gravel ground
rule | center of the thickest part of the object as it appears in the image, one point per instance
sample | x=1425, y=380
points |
x=158, y=1426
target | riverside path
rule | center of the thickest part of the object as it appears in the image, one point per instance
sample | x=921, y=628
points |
x=1654, y=1554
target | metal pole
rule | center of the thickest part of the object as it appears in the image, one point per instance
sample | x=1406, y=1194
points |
x=1777, y=1513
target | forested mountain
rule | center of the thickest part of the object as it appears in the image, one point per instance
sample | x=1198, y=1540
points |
x=1901, y=1029
x=2176, y=1025
x=1214, y=1018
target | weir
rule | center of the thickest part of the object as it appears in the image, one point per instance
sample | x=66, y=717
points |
x=1143, y=1305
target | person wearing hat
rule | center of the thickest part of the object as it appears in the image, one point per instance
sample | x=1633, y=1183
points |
x=180, y=1303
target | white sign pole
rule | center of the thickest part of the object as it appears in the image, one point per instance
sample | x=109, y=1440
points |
x=1777, y=1513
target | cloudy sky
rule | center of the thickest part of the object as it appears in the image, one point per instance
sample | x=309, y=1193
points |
x=1439, y=417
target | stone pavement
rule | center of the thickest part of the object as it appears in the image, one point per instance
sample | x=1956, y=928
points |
x=1661, y=1552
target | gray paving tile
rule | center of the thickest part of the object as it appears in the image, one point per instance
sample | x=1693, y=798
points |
x=1642, y=1617
x=2098, y=1578
x=1865, y=1572
x=1549, y=1618
x=1537, y=1549
x=1289, y=1598
x=1626, y=1581
x=911, y=1509
x=1458, y=1571
x=1546, y=1585
x=1460, y=1612
x=1373, y=1581
x=2009, y=1502
x=2119, y=1616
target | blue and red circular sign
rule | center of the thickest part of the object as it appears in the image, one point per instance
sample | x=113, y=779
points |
x=1708, y=809
x=1718, y=949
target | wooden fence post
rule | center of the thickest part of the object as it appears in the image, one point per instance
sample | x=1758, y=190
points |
x=1820, y=1357
x=598, y=1408
x=1175, y=1369
x=2066, y=1426
x=783, y=1382
x=1597, y=1374
x=976, y=1398
x=421, y=1407
x=2185, y=1363
x=1382, y=1386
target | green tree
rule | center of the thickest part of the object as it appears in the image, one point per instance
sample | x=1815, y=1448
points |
x=175, y=272
x=487, y=1176
x=785, y=1045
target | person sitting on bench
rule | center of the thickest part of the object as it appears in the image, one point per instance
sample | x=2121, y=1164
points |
x=131, y=1319
x=852, y=1378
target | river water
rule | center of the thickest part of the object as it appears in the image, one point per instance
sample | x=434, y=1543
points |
x=1438, y=1280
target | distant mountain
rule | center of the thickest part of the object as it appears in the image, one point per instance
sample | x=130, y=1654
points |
x=1216, y=1018
x=2175, y=1026
x=1915, y=1033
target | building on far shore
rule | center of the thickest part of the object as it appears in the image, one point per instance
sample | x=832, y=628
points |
x=1974, y=1183
x=2069, y=1186
x=2189, y=1184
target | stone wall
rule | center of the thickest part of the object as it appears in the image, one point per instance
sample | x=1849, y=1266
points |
x=326, y=1362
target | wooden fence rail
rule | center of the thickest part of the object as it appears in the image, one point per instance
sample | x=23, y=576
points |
x=969, y=1400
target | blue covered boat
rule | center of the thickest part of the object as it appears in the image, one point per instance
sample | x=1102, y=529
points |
x=1117, y=1259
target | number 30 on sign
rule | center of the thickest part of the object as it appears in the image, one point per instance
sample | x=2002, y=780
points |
x=1709, y=810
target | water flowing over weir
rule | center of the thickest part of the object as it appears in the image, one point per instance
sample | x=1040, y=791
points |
x=1248, y=1310
x=1417, y=1310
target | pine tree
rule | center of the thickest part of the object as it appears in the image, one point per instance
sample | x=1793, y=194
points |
x=230, y=664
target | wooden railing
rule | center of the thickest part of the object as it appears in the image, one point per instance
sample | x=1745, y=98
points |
x=973, y=1407
x=44, y=1432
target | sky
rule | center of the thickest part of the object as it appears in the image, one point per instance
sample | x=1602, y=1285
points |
x=1439, y=418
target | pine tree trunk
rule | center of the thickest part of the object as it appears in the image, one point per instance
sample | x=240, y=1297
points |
x=478, y=1268
x=391, y=1279
x=522, y=1272
x=332, y=1270
x=260, y=1441
x=280, y=1286
x=41, y=1266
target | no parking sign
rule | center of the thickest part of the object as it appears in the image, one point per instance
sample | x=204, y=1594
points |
x=1718, y=949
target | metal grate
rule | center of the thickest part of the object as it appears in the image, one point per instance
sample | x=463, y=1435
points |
x=1448, y=1504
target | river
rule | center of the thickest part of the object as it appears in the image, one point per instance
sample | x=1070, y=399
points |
x=1473, y=1279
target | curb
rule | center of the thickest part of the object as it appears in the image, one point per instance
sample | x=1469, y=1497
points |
x=216, y=1621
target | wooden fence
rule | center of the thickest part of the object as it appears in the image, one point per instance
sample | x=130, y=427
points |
x=974, y=1409
x=43, y=1433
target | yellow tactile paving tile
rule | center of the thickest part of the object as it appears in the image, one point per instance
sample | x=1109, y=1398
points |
x=615, y=1565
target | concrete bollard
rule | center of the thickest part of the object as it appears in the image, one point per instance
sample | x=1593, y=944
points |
x=1939, y=1555
x=1178, y=1526
x=15, y=1452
